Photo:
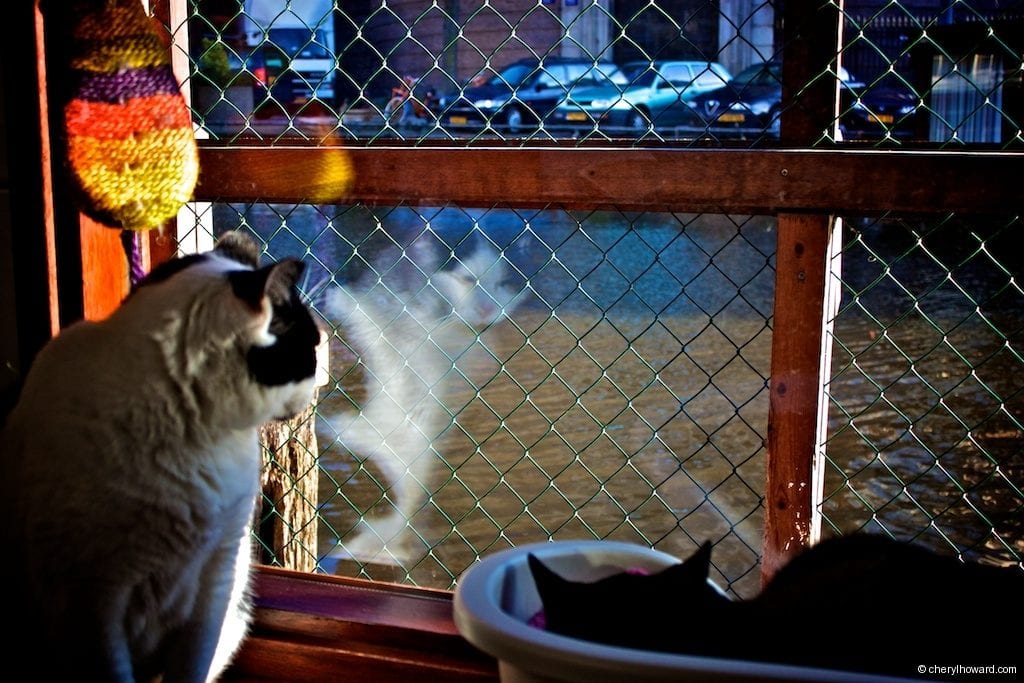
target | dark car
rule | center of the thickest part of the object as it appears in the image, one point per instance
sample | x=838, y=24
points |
x=750, y=105
x=878, y=111
x=522, y=95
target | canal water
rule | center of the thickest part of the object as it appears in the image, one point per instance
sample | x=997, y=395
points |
x=925, y=436
x=624, y=394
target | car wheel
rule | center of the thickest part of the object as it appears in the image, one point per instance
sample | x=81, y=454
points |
x=514, y=119
x=638, y=122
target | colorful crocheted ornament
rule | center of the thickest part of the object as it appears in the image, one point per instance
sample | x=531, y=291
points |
x=129, y=132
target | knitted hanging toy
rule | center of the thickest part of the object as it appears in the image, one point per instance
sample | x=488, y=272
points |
x=129, y=134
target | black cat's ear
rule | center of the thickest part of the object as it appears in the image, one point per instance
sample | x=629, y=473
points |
x=239, y=247
x=274, y=281
x=699, y=564
x=546, y=580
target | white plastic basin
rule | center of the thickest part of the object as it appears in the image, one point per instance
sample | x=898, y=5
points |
x=496, y=597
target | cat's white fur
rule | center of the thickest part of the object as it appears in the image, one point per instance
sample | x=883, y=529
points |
x=409, y=340
x=131, y=470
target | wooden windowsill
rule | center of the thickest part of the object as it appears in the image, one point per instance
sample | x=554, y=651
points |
x=311, y=627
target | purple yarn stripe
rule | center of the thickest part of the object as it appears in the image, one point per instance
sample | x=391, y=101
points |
x=118, y=87
x=132, y=241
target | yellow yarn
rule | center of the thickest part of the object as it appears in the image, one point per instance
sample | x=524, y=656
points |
x=130, y=143
x=142, y=181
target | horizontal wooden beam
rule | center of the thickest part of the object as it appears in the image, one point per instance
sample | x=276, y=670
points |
x=313, y=628
x=722, y=180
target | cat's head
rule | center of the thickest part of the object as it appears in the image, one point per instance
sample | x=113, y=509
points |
x=481, y=286
x=657, y=611
x=237, y=332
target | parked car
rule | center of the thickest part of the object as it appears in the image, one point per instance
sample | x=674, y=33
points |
x=751, y=103
x=523, y=94
x=876, y=111
x=654, y=95
x=747, y=105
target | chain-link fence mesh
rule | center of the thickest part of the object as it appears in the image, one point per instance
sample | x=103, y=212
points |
x=926, y=392
x=621, y=391
x=501, y=376
x=687, y=71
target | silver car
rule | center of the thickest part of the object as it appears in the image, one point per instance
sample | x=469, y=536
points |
x=654, y=96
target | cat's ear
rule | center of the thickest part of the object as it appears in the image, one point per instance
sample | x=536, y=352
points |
x=548, y=582
x=698, y=565
x=283, y=278
x=275, y=282
x=239, y=247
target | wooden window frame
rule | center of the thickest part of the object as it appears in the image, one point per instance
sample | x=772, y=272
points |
x=313, y=627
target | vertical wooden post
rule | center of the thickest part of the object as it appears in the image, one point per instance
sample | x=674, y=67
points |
x=28, y=190
x=104, y=268
x=288, y=522
x=290, y=482
x=795, y=401
x=172, y=16
x=796, y=411
x=812, y=32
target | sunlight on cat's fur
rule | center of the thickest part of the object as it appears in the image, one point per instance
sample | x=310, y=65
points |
x=410, y=318
x=130, y=470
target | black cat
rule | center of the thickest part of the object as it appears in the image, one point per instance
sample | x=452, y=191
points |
x=858, y=603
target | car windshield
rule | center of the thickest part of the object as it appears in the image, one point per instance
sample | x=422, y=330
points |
x=513, y=75
x=643, y=79
x=759, y=74
x=639, y=73
x=605, y=76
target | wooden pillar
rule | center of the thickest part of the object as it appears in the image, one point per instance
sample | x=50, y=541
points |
x=104, y=268
x=287, y=524
x=171, y=17
x=26, y=207
x=812, y=32
x=796, y=405
x=287, y=515
x=797, y=410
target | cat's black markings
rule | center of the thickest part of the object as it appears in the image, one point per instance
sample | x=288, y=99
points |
x=858, y=603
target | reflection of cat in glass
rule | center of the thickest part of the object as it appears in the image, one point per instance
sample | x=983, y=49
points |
x=410, y=317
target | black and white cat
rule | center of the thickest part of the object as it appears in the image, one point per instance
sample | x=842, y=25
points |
x=410, y=318
x=130, y=470
x=859, y=603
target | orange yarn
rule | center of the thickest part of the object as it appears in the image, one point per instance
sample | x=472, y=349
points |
x=129, y=134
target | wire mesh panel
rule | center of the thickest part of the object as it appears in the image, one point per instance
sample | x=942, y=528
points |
x=504, y=377
x=686, y=71
x=926, y=390
x=948, y=73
